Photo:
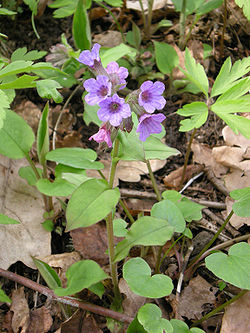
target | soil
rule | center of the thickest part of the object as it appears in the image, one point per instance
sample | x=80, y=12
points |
x=20, y=34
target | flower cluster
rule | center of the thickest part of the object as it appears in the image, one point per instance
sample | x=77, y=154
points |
x=114, y=111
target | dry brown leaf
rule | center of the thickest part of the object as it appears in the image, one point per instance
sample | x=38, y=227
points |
x=235, y=221
x=133, y=302
x=24, y=203
x=203, y=155
x=91, y=242
x=80, y=323
x=109, y=39
x=237, y=179
x=198, y=294
x=228, y=156
x=233, y=139
x=30, y=113
x=66, y=122
x=174, y=178
x=20, y=309
x=128, y=171
x=73, y=139
x=236, y=317
x=40, y=321
x=157, y=4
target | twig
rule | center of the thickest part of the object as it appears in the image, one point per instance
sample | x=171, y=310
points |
x=216, y=182
x=211, y=226
x=146, y=195
x=190, y=181
x=122, y=317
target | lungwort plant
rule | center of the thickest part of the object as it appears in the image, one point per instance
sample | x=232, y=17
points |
x=131, y=127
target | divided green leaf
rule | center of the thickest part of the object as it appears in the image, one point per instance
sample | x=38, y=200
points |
x=22, y=54
x=198, y=111
x=245, y=5
x=47, y=88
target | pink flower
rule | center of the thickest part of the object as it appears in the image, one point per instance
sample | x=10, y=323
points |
x=103, y=135
x=149, y=124
x=117, y=74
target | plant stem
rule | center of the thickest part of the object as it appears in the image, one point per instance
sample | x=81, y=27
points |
x=34, y=26
x=110, y=232
x=60, y=116
x=195, y=260
x=182, y=24
x=152, y=177
x=130, y=217
x=196, y=19
x=187, y=157
x=66, y=299
x=221, y=307
x=149, y=18
x=223, y=29
x=114, y=18
x=143, y=16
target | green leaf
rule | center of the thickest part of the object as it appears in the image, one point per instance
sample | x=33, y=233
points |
x=166, y=57
x=22, y=54
x=133, y=37
x=169, y=212
x=4, y=105
x=114, y=3
x=48, y=273
x=81, y=27
x=28, y=174
x=75, y=157
x=115, y=53
x=229, y=75
x=198, y=112
x=234, y=267
x=91, y=202
x=226, y=109
x=181, y=327
x=135, y=327
x=137, y=274
x=207, y=50
x=60, y=187
x=195, y=73
x=32, y=5
x=147, y=231
x=4, y=219
x=208, y=6
x=98, y=289
x=188, y=233
x=3, y=297
x=242, y=206
x=16, y=136
x=48, y=89
x=119, y=226
x=48, y=225
x=24, y=81
x=90, y=114
x=191, y=5
x=163, y=24
x=61, y=169
x=65, y=8
x=43, y=135
x=82, y=274
x=16, y=68
x=149, y=315
x=245, y=5
x=239, y=89
x=5, y=11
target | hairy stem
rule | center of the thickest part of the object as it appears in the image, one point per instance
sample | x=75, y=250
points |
x=187, y=157
x=182, y=24
x=143, y=16
x=149, y=18
x=221, y=307
x=110, y=232
x=152, y=177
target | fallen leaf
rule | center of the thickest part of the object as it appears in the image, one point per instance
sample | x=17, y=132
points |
x=157, y=4
x=20, y=309
x=30, y=113
x=174, y=178
x=128, y=171
x=235, y=317
x=228, y=156
x=203, y=155
x=18, y=200
x=109, y=39
x=198, y=294
x=235, y=221
x=80, y=322
x=132, y=302
x=233, y=139
x=73, y=139
x=66, y=122
x=40, y=321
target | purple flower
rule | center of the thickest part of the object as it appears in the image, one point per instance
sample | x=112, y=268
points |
x=98, y=89
x=113, y=109
x=148, y=124
x=117, y=74
x=88, y=58
x=150, y=96
x=103, y=135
